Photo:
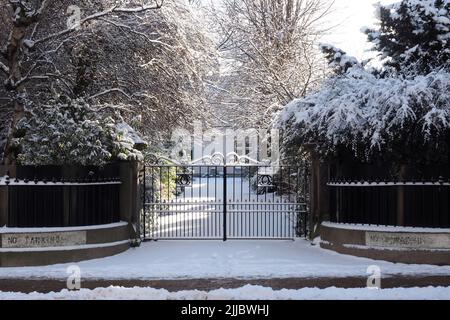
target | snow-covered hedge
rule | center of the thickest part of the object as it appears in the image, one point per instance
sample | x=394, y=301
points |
x=399, y=112
x=71, y=132
x=368, y=114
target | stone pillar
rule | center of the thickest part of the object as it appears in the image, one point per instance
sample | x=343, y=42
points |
x=3, y=206
x=4, y=195
x=130, y=197
x=319, y=193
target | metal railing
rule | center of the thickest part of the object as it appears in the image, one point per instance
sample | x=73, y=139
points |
x=395, y=203
x=61, y=202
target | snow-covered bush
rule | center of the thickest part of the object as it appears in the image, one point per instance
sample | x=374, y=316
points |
x=370, y=115
x=400, y=113
x=71, y=132
x=339, y=61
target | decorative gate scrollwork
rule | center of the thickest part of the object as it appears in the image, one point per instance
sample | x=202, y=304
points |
x=265, y=184
x=184, y=180
x=231, y=159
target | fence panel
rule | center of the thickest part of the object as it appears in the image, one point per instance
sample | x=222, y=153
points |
x=412, y=204
x=63, y=203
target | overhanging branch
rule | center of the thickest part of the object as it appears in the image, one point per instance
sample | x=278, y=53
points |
x=130, y=29
x=109, y=91
x=99, y=15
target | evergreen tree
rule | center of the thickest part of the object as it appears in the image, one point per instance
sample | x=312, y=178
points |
x=414, y=35
x=338, y=59
x=70, y=131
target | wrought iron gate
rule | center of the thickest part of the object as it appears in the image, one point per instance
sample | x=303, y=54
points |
x=214, y=200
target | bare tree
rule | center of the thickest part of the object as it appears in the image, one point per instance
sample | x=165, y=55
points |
x=270, y=48
x=27, y=48
x=131, y=57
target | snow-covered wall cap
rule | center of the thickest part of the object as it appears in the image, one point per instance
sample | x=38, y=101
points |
x=375, y=228
x=3, y=180
x=131, y=134
x=387, y=183
x=7, y=181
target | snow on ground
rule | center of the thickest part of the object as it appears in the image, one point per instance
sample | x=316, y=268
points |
x=234, y=259
x=245, y=293
x=198, y=211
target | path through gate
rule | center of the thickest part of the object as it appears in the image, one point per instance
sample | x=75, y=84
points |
x=213, y=200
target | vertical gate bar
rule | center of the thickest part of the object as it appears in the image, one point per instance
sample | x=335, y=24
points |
x=257, y=202
x=297, y=213
x=233, y=214
x=291, y=226
x=225, y=202
x=208, y=216
x=155, y=218
x=234, y=184
x=216, y=205
x=144, y=203
x=168, y=206
x=176, y=203
x=242, y=201
x=162, y=232
x=183, y=206
x=275, y=218
x=288, y=225
x=199, y=212
x=285, y=210
x=189, y=207
x=265, y=209
x=283, y=214
x=249, y=207
x=306, y=196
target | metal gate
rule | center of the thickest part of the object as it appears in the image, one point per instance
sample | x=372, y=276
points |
x=215, y=200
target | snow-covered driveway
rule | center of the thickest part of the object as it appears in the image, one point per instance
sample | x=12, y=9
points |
x=233, y=259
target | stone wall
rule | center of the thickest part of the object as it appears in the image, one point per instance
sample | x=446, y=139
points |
x=28, y=247
x=44, y=246
x=400, y=245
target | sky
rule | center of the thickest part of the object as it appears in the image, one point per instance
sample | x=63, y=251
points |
x=349, y=16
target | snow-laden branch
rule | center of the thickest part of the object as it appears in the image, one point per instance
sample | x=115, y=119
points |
x=358, y=109
x=130, y=29
x=158, y=5
x=118, y=90
x=41, y=8
x=99, y=15
x=36, y=77
x=4, y=68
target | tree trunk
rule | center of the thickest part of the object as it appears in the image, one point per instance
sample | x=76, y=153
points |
x=13, y=52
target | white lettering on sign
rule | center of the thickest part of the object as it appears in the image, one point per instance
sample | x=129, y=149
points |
x=408, y=240
x=43, y=240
